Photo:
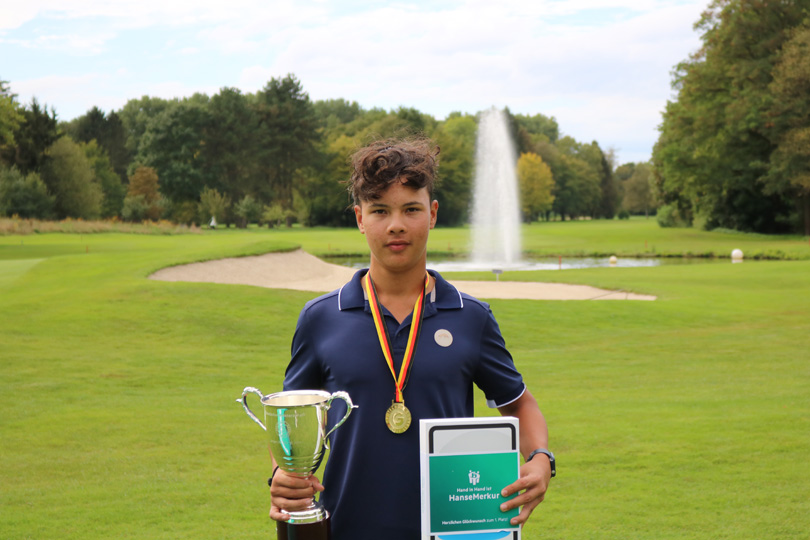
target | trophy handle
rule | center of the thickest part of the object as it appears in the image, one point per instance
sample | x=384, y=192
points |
x=349, y=406
x=245, y=392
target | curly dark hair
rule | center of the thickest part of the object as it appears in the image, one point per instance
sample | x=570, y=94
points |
x=377, y=166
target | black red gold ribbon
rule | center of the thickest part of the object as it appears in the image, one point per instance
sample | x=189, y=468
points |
x=401, y=379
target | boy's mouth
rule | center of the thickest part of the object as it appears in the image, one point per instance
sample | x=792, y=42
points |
x=397, y=245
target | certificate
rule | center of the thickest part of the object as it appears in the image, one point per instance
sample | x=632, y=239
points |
x=464, y=464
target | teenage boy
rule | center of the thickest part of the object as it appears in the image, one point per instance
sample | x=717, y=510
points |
x=405, y=345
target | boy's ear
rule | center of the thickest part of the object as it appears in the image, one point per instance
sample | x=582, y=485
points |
x=434, y=212
x=358, y=215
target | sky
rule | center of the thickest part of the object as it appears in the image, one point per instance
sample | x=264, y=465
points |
x=602, y=68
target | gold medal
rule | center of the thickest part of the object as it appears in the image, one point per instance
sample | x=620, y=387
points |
x=398, y=417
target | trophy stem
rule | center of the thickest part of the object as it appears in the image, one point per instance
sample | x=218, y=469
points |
x=319, y=530
x=311, y=514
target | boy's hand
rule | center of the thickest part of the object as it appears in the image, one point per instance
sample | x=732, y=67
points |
x=533, y=482
x=290, y=493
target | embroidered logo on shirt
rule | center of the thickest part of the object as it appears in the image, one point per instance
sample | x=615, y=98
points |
x=443, y=338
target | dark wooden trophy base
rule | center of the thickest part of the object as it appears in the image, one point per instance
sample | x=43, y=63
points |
x=319, y=530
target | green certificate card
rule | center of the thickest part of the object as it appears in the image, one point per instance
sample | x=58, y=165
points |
x=465, y=464
x=465, y=491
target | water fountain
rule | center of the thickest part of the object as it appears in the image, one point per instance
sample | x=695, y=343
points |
x=496, y=207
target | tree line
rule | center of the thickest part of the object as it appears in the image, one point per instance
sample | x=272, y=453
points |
x=276, y=157
x=734, y=147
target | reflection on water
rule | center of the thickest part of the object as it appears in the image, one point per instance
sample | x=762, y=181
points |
x=547, y=263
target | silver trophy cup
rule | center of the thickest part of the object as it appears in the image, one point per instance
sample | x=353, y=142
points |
x=296, y=424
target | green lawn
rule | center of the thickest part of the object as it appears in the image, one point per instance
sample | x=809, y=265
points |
x=687, y=417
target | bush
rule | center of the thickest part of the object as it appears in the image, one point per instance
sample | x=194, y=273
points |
x=668, y=216
x=273, y=215
x=213, y=204
x=247, y=211
x=184, y=212
x=623, y=214
x=16, y=225
x=135, y=208
x=26, y=196
x=301, y=211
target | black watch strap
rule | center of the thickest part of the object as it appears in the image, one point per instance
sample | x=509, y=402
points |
x=270, y=480
x=551, y=460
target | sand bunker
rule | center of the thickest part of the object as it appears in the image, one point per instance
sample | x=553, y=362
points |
x=301, y=271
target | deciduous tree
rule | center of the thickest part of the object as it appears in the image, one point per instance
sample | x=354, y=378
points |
x=456, y=138
x=136, y=116
x=536, y=186
x=576, y=178
x=104, y=175
x=145, y=189
x=333, y=114
x=69, y=176
x=534, y=129
x=716, y=140
x=638, y=190
x=174, y=145
x=322, y=189
x=789, y=167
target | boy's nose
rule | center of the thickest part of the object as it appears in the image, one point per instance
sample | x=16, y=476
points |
x=397, y=224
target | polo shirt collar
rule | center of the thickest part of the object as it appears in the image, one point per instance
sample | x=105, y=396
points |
x=443, y=296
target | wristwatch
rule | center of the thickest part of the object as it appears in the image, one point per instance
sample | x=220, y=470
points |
x=551, y=459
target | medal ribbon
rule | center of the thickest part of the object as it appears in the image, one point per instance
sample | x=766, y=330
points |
x=385, y=341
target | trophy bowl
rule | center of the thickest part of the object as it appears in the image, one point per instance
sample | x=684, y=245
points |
x=295, y=422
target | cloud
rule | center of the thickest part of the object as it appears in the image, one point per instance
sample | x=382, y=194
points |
x=602, y=67
x=15, y=14
x=607, y=82
x=80, y=44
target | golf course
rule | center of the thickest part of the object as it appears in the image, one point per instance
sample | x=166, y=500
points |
x=686, y=417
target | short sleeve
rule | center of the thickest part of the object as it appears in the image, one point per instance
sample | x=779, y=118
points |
x=496, y=374
x=304, y=370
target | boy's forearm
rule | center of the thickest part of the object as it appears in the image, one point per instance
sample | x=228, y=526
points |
x=533, y=428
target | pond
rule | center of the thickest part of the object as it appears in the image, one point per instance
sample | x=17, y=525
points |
x=543, y=263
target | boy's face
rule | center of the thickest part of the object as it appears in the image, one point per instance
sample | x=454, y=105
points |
x=397, y=226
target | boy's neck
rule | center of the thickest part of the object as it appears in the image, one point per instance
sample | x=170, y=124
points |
x=393, y=284
x=398, y=291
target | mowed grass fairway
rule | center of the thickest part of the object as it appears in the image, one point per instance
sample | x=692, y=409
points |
x=686, y=417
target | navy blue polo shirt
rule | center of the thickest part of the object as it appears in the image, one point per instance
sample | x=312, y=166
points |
x=372, y=475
